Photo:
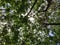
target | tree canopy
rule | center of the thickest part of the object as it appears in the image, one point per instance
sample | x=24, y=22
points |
x=27, y=22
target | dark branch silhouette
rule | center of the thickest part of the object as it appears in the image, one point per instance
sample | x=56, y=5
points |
x=51, y=23
x=48, y=5
x=32, y=7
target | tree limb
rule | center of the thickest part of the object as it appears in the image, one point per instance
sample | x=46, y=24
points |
x=32, y=7
x=51, y=23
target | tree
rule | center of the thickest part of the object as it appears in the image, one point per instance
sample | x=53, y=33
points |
x=24, y=22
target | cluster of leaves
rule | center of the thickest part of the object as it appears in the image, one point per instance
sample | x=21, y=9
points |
x=17, y=28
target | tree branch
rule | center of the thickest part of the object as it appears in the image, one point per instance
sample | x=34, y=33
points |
x=51, y=23
x=32, y=7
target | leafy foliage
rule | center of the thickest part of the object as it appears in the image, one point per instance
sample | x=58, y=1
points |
x=23, y=22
